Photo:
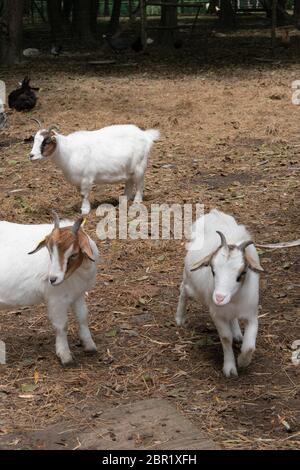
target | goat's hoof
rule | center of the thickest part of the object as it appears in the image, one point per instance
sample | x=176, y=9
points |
x=91, y=351
x=238, y=338
x=245, y=358
x=85, y=211
x=67, y=360
x=68, y=363
x=230, y=371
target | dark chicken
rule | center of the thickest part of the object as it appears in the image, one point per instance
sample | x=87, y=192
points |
x=23, y=98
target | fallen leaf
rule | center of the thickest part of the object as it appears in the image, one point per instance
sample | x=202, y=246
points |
x=28, y=388
x=112, y=333
x=36, y=377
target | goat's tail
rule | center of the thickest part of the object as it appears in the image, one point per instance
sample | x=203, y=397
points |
x=152, y=135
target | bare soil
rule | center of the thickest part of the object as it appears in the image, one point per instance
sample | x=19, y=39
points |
x=230, y=134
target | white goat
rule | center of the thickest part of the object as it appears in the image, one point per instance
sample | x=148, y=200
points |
x=59, y=280
x=225, y=278
x=113, y=154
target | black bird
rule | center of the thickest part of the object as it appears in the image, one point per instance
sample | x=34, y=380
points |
x=117, y=44
x=137, y=45
x=24, y=98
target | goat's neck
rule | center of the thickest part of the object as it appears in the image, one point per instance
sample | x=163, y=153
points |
x=60, y=154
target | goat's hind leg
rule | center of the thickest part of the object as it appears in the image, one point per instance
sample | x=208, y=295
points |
x=180, y=315
x=81, y=312
x=85, y=193
x=129, y=189
x=139, y=184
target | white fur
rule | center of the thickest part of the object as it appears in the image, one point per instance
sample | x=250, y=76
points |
x=240, y=300
x=113, y=154
x=24, y=281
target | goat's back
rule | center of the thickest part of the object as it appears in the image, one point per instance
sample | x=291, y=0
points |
x=204, y=238
x=107, y=155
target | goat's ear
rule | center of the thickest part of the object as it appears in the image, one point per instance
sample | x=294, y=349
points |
x=84, y=245
x=41, y=245
x=202, y=264
x=253, y=265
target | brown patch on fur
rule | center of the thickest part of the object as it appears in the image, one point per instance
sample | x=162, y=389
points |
x=49, y=149
x=64, y=238
x=49, y=144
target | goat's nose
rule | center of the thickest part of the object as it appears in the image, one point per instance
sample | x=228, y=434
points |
x=53, y=279
x=31, y=156
x=220, y=298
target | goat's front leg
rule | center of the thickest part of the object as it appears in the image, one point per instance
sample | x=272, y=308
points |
x=248, y=345
x=180, y=315
x=226, y=337
x=236, y=330
x=58, y=315
x=85, y=193
x=81, y=312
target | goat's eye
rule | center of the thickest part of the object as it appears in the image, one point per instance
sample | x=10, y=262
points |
x=241, y=276
x=74, y=256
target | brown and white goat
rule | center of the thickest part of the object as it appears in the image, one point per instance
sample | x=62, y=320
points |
x=58, y=272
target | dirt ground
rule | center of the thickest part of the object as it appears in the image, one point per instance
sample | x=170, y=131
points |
x=230, y=139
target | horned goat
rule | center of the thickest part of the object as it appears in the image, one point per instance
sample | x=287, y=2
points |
x=113, y=154
x=222, y=271
x=51, y=265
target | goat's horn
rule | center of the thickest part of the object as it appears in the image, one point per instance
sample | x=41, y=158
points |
x=244, y=245
x=37, y=121
x=77, y=225
x=55, y=219
x=53, y=127
x=223, y=239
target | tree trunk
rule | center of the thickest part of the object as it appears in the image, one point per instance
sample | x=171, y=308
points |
x=11, y=30
x=106, y=8
x=297, y=10
x=54, y=8
x=27, y=7
x=67, y=10
x=227, y=14
x=212, y=7
x=168, y=20
x=282, y=15
x=82, y=21
x=115, y=16
x=94, y=15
